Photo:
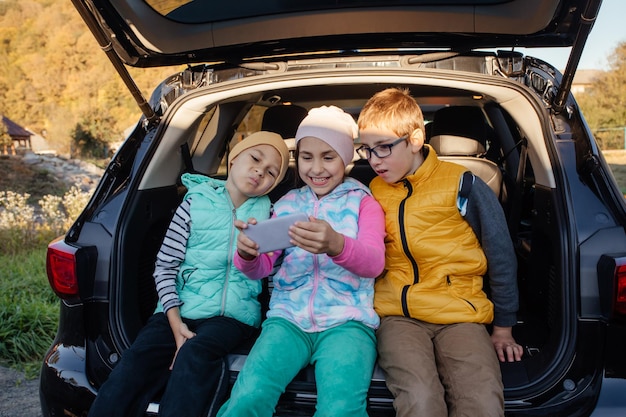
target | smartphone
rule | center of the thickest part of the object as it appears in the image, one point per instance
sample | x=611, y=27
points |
x=272, y=234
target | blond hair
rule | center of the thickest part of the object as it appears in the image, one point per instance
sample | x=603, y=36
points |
x=393, y=109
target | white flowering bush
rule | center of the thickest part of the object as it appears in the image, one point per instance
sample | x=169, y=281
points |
x=15, y=211
x=16, y=221
x=24, y=226
x=58, y=213
x=53, y=217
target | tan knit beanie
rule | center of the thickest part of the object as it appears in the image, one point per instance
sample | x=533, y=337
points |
x=264, y=138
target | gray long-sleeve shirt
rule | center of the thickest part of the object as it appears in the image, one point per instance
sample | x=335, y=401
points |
x=484, y=214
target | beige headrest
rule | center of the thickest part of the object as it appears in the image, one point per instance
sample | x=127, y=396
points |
x=450, y=145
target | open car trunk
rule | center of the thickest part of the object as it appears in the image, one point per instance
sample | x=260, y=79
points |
x=246, y=33
x=529, y=183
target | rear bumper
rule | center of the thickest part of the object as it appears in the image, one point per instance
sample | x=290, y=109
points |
x=612, y=399
x=63, y=385
x=65, y=390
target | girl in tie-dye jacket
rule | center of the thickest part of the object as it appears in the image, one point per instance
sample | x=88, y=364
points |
x=321, y=308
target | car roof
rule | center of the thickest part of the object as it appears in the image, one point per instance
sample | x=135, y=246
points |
x=173, y=32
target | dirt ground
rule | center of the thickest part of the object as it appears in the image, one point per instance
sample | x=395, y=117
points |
x=19, y=397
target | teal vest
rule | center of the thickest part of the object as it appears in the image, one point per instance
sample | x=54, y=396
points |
x=208, y=283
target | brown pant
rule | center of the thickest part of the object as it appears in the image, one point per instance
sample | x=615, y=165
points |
x=440, y=370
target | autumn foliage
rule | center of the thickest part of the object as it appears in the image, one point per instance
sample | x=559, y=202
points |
x=54, y=77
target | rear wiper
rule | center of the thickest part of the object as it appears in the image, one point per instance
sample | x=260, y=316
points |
x=432, y=57
x=260, y=66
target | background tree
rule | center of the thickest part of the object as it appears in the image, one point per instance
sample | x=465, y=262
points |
x=604, y=102
x=5, y=139
x=89, y=136
x=53, y=74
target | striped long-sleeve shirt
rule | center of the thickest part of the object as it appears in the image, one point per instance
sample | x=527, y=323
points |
x=171, y=255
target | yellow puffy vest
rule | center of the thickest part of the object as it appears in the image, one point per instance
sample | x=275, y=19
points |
x=434, y=264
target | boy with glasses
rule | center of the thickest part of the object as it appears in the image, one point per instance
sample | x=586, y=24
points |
x=445, y=230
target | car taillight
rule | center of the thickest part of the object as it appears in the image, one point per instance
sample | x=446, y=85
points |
x=612, y=285
x=620, y=291
x=62, y=270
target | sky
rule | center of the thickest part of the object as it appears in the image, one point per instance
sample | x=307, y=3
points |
x=608, y=30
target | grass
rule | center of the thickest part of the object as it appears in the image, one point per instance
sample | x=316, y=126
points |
x=29, y=311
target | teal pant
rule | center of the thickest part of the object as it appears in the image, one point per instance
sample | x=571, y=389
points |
x=343, y=358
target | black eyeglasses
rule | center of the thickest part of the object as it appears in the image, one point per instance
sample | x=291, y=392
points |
x=381, y=151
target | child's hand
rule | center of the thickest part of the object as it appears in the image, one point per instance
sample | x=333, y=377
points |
x=179, y=329
x=506, y=347
x=181, y=336
x=246, y=247
x=317, y=236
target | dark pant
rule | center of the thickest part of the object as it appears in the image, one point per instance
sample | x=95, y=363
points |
x=196, y=385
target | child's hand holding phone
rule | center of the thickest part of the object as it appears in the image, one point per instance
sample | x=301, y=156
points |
x=269, y=235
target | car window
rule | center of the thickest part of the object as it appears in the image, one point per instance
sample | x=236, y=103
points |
x=251, y=123
x=202, y=11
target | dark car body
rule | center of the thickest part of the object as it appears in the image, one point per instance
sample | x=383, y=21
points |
x=251, y=63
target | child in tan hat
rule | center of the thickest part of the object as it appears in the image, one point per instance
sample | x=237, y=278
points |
x=321, y=309
x=207, y=307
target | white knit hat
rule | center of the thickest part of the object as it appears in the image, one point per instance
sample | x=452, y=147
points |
x=333, y=126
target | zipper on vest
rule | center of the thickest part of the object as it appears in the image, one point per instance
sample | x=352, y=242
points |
x=403, y=298
x=405, y=246
x=467, y=301
x=230, y=258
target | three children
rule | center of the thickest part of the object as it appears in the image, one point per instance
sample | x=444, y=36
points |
x=445, y=230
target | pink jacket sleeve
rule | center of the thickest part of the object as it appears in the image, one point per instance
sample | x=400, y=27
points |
x=369, y=243
x=259, y=267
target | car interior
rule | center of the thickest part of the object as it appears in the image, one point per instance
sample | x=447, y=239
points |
x=493, y=132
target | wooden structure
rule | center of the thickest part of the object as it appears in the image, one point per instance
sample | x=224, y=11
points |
x=20, y=137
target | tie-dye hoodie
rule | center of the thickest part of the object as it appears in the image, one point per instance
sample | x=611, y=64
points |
x=318, y=292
